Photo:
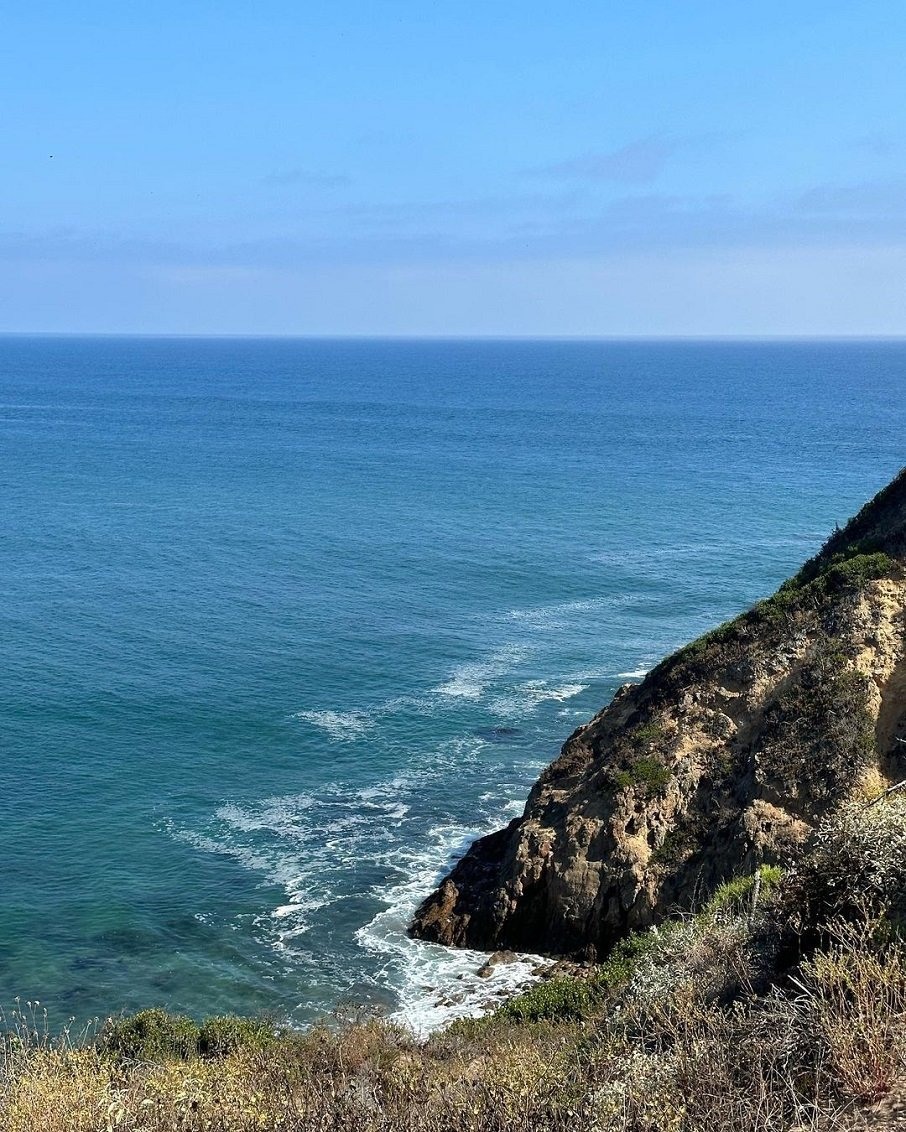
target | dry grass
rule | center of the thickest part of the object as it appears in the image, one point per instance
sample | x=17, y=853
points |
x=856, y=1000
x=678, y=1032
x=671, y=1062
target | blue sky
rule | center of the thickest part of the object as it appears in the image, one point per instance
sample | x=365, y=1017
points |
x=644, y=168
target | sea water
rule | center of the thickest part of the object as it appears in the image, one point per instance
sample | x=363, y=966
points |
x=286, y=624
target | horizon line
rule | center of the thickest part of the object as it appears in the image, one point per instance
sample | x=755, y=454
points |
x=319, y=337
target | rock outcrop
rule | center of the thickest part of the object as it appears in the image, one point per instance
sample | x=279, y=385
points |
x=721, y=759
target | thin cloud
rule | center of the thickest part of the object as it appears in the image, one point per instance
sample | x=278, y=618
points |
x=485, y=231
x=637, y=163
x=866, y=199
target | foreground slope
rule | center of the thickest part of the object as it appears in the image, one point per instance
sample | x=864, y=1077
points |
x=724, y=758
x=780, y=1005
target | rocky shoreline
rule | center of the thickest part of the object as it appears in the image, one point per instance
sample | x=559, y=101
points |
x=722, y=760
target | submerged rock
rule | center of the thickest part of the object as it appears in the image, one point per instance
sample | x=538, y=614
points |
x=722, y=759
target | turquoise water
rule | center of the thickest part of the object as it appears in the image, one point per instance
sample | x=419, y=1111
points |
x=286, y=623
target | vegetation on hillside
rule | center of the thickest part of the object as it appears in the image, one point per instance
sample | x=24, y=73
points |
x=822, y=581
x=781, y=1004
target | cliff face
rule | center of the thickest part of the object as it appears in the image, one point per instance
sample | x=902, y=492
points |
x=722, y=759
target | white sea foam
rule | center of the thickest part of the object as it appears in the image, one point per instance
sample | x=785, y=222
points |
x=510, y=809
x=525, y=698
x=329, y=850
x=469, y=681
x=436, y=984
x=636, y=675
x=313, y=846
x=561, y=614
x=341, y=726
x=305, y=842
x=275, y=869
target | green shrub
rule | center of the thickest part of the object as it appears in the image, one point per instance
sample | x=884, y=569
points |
x=776, y=607
x=560, y=999
x=569, y=998
x=228, y=1033
x=676, y=846
x=819, y=579
x=818, y=733
x=623, y=961
x=156, y=1035
x=646, y=772
x=845, y=571
x=151, y=1035
x=734, y=897
x=702, y=646
x=648, y=733
x=858, y=570
x=856, y=564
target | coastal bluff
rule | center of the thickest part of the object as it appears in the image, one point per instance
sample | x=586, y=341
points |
x=722, y=759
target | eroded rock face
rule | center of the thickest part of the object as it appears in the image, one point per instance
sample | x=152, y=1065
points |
x=722, y=759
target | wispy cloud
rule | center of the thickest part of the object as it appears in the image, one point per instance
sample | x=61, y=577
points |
x=865, y=199
x=520, y=227
x=637, y=163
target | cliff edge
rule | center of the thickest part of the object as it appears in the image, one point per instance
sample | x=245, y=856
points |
x=722, y=759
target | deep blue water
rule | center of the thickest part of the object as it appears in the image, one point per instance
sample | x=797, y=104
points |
x=285, y=623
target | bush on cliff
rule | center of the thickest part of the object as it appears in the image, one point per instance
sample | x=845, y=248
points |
x=155, y=1035
x=151, y=1035
x=818, y=734
x=854, y=868
x=820, y=582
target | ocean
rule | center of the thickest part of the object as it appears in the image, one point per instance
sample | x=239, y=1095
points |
x=287, y=623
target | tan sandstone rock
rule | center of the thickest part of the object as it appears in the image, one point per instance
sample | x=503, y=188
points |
x=721, y=759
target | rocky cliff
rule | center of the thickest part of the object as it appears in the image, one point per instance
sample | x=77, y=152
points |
x=721, y=759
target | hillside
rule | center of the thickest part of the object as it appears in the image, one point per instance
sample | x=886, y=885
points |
x=779, y=1004
x=722, y=760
